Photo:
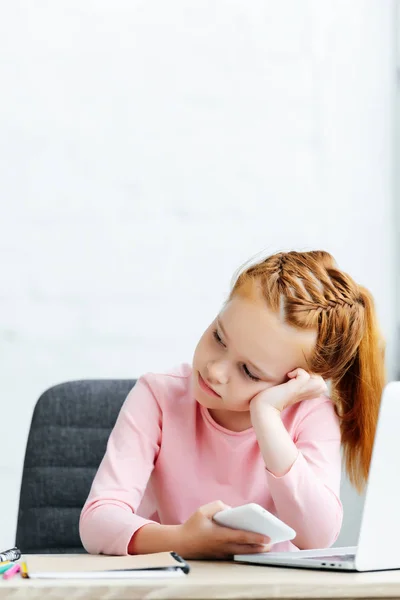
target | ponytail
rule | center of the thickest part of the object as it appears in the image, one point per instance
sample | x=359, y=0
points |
x=358, y=394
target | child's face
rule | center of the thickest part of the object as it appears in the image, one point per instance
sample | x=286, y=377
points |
x=245, y=350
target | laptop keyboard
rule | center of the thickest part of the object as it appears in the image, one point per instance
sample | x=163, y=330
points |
x=333, y=557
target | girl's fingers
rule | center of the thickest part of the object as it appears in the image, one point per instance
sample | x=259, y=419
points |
x=209, y=510
x=292, y=374
x=299, y=376
x=232, y=549
x=247, y=538
x=298, y=372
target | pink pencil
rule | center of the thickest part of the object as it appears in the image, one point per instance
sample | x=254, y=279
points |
x=14, y=569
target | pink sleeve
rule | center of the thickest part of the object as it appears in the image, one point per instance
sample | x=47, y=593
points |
x=108, y=518
x=307, y=497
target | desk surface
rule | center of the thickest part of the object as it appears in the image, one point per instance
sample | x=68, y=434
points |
x=216, y=580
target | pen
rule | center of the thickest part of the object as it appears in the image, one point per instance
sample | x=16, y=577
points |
x=12, y=554
x=5, y=566
x=12, y=571
x=24, y=570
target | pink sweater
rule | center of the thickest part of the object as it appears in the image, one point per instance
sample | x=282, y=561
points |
x=166, y=457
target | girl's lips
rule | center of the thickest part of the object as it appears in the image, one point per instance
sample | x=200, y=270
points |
x=206, y=388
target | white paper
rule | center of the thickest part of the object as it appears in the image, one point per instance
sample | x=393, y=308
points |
x=156, y=574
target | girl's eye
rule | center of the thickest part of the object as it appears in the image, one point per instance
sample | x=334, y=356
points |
x=218, y=338
x=253, y=377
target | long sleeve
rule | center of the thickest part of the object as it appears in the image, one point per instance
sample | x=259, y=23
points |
x=108, y=518
x=307, y=496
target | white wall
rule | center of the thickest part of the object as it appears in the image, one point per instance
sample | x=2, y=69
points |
x=147, y=149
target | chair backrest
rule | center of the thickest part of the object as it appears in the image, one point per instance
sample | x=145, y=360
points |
x=66, y=443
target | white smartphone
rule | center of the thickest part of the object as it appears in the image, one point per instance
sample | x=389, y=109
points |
x=253, y=517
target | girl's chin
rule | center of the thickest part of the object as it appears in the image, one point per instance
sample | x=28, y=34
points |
x=214, y=403
x=219, y=405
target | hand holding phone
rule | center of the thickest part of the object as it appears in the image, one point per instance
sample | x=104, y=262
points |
x=252, y=517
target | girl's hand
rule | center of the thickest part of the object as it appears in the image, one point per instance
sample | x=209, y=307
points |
x=301, y=386
x=200, y=537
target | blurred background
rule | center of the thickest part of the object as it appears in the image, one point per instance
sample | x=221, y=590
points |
x=149, y=148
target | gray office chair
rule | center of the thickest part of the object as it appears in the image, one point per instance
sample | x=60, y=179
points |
x=67, y=440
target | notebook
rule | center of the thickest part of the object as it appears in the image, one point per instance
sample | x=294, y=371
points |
x=88, y=566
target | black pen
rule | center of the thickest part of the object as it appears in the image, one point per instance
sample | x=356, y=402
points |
x=12, y=555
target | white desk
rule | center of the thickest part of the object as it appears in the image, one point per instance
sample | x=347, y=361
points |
x=215, y=580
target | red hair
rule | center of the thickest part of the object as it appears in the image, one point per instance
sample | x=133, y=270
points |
x=309, y=290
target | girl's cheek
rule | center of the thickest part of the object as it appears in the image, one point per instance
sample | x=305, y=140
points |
x=262, y=387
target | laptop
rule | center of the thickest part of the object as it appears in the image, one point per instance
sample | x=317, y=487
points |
x=378, y=541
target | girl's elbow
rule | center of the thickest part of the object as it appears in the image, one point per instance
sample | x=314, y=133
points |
x=311, y=543
x=317, y=539
x=89, y=542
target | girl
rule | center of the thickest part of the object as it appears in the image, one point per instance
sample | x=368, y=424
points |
x=249, y=421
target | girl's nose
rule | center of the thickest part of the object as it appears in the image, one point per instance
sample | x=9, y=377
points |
x=218, y=372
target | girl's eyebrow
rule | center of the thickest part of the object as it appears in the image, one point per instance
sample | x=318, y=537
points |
x=260, y=371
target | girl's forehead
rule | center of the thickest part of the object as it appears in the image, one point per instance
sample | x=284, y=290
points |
x=255, y=330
